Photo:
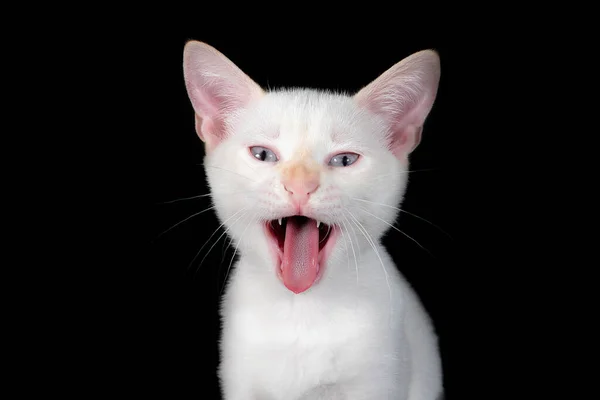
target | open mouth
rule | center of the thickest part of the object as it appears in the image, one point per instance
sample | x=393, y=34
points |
x=301, y=246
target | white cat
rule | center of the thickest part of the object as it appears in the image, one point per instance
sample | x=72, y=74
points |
x=315, y=308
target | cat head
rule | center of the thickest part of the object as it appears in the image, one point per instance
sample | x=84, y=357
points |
x=298, y=177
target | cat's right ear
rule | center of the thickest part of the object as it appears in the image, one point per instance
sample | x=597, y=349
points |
x=403, y=96
x=217, y=88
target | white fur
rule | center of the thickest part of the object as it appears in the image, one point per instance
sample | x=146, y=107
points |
x=358, y=333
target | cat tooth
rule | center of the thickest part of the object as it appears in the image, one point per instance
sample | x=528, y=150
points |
x=318, y=224
x=279, y=221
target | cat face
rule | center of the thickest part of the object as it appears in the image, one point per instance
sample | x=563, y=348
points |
x=299, y=177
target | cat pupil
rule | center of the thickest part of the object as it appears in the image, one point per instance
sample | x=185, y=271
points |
x=343, y=160
x=263, y=155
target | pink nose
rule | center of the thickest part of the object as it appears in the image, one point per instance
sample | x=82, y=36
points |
x=301, y=189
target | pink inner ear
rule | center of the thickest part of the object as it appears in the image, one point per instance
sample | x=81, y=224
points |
x=213, y=101
x=403, y=96
x=404, y=105
x=217, y=88
x=405, y=140
x=210, y=131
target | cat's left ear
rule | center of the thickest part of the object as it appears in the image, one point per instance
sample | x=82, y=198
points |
x=217, y=89
x=403, y=96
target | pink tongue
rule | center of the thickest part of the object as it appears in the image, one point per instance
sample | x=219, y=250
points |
x=300, y=254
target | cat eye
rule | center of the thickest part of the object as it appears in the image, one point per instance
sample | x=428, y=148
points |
x=343, y=159
x=263, y=154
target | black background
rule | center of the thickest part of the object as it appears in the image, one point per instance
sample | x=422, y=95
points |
x=111, y=308
x=172, y=335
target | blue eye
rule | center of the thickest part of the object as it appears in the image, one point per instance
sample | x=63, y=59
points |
x=343, y=159
x=263, y=154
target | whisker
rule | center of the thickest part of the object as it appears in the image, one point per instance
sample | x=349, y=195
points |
x=248, y=165
x=355, y=237
x=387, y=223
x=183, y=198
x=193, y=197
x=224, y=249
x=182, y=221
x=423, y=170
x=234, y=253
x=231, y=239
x=407, y=172
x=219, y=238
x=352, y=246
x=345, y=246
x=372, y=243
x=404, y=211
x=210, y=237
x=230, y=171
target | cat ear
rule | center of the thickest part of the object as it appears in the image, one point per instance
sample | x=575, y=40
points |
x=217, y=88
x=403, y=95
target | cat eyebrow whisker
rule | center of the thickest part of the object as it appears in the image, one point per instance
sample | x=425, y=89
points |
x=404, y=211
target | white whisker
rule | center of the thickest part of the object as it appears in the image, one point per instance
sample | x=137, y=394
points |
x=231, y=239
x=219, y=238
x=405, y=172
x=184, y=198
x=345, y=246
x=370, y=241
x=182, y=221
x=230, y=171
x=228, y=241
x=405, y=234
x=352, y=246
x=235, y=251
x=421, y=170
x=355, y=237
x=404, y=211
x=193, y=197
x=224, y=250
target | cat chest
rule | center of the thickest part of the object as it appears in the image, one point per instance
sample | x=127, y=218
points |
x=282, y=327
x=300, y=349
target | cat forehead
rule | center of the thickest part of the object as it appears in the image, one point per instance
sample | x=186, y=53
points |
x=306, y=113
